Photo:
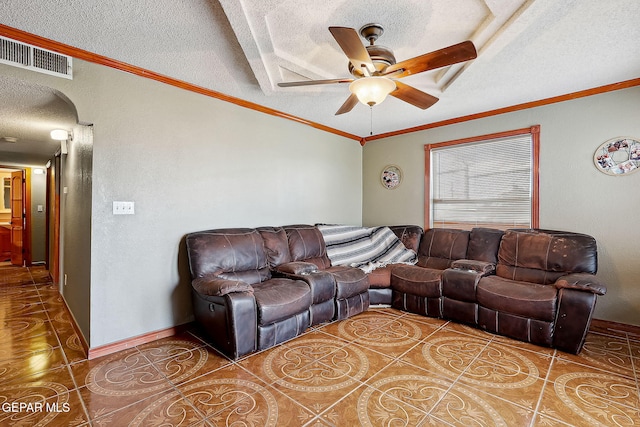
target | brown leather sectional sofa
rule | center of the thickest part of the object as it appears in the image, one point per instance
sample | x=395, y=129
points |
x=537, y=286
x=255, y=288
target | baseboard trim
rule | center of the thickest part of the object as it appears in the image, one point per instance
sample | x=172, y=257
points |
x=607, y=326
x=114, y=347
x=74, y=323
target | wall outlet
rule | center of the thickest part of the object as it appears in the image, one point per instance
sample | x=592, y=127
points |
x=123, y=208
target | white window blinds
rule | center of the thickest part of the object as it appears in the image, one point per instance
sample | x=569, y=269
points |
x=482, y=184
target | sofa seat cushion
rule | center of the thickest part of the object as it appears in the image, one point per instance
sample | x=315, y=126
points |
x=278, y=299
x=350, y=281
x=530, y=300
x=418, y=281
x=380, y=278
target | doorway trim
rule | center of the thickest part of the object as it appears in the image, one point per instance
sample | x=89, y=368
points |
x=26, y=231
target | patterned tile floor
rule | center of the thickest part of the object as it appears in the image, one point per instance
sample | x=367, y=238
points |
x=380, y=368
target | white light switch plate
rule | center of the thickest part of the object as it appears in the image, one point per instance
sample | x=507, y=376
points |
x=123, y=208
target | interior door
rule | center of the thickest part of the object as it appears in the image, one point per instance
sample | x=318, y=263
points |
x=17, y=218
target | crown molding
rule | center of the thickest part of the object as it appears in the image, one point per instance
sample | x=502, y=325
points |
x=75, y=52
x=524, y=106
x=84, y=55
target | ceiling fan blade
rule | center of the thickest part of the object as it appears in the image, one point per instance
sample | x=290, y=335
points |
x=351, y=45
x=314, y=82
x=430, y=61
x=348, y=105
x=413, y=96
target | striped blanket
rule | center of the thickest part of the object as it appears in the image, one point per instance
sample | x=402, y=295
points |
x=366, y=248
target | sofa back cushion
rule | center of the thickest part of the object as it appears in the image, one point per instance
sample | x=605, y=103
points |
x=232, y=253
x=307, y=244
x=276, y=245
x=541, y=256
x=439, y=247
x=409, y=235
x=484, y=244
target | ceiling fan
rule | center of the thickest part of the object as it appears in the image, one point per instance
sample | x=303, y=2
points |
x=375, y=70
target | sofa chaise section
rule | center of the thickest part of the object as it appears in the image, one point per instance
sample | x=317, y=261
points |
x=380, y=279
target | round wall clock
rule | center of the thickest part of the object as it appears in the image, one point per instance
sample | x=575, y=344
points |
x=618, y=156
x=391, y=177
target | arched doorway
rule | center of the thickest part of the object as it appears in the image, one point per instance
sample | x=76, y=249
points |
x=30, y=223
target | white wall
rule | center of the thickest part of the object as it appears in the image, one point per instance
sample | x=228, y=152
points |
x=574, y=195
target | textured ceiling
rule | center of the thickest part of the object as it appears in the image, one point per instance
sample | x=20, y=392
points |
x=28, y=114
x=528, y=50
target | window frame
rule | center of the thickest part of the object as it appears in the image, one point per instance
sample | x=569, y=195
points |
x=534, y=131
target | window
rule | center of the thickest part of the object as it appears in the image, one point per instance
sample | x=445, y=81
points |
x=486, y=181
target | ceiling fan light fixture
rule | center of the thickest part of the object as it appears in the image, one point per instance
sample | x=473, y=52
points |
x=372, y=90
x=59, y=135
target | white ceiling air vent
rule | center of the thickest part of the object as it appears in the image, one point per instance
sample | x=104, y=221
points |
x=34, y=58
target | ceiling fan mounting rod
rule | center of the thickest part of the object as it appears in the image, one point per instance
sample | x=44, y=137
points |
x=371, y=32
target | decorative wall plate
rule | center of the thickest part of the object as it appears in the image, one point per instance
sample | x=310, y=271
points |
x=391, y=177
x=618, y=156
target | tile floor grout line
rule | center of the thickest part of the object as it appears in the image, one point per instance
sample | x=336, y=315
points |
x=544, y=386
x=31, y=275
x=345, y=344
x=333, y=404
x=633, y=366
x=64, y=354
x=185, y=398
x=266, y=386
x=454, y=382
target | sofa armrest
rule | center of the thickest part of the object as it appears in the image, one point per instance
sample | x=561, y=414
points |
x=297, y=268
x=473, y=265
x=217, y=287
x=581, y=282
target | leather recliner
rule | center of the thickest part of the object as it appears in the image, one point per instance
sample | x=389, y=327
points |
x=544, y=290
x=236, y=300
x=459, y=283
x=418, y=288
x=307, y=245
x=321, y=283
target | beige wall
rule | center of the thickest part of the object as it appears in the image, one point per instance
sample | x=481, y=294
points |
x=574, y=196
x=189, y=162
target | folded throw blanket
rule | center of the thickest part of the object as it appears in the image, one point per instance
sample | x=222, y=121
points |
x=365, y=248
